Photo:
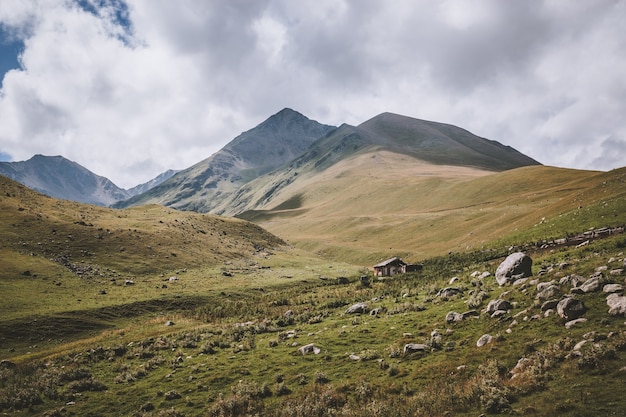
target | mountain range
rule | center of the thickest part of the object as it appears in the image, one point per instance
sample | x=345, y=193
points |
x=61, y=178
x=250, y=172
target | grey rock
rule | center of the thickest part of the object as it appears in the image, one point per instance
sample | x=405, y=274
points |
x=549, y=305
x=611, y=288
x=453, y=317
x=498, y=313
x=570, y=308
x=357, y=308
x=483, y=340
x=591, y=285
x=548, y=292
x=516, y=266
x=617, y=304
x=308, y=349
x=574, y=322
x=498, y=305
x=415, y=347
x=616, y=272
x=471, y=313
x=449, y=292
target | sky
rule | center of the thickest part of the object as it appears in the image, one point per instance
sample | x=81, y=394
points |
x=132, y=88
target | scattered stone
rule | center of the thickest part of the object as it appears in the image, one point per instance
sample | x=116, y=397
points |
x=173, y=279
x=544, y=285
x=310, y=348
x=169, y=323
x=357, y=308
x=611, y=288
x=548, y=292
x=574, y=322
x=129, y=282
x=549, y=305
x=520, y=281
x=570, y=308
x=415, y=347
x=498, y=305
x=616, y=272
x=172, y=395
x=591, y=285
x=6, y=364
x=102, y=292
x=483, y=340
x=376, y=311
x=484, y=275
x=449, y=292
x=354, y=357
x=471, y=313
x=498, y=313
x=517, y=265
x=453, y=317
x=579, y=345
x=453, y=280
x=617, y=304
x=602, y=268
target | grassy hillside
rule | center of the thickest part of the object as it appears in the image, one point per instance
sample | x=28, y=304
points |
x=380, y=204
x=218, y=308
x=68, y=269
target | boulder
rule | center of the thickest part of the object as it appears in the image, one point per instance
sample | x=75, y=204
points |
x=357, y=308
x=549, y=305
x=471, y=313
x=453, y=317
x=483, y=340
x=570, y=308
x=498, y=305
x=415, y=347
x=310, y=348
x=574, y=322
x=617, y=304
x=591, y=285
x=449, y=292
x=611, y=288
x=517, y=265
x=548, y=292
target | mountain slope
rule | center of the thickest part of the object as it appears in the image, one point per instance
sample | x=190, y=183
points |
x=421, y=141
x=441, y=143
x=143, y=240
x=59, y=177
x=201, y=187
x=377, y=204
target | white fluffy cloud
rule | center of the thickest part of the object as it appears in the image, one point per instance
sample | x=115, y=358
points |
x=131, y=89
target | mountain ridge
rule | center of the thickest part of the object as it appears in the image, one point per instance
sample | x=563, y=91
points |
x=59, y=177
x=272, y=143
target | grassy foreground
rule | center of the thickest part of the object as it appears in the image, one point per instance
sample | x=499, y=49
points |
x=102, y=317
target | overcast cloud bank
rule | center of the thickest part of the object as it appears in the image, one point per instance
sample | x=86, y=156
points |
x=130, y=90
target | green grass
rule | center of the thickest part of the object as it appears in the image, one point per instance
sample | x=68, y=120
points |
x=231, y=349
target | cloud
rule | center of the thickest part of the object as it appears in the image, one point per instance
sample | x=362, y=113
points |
x=132, y=89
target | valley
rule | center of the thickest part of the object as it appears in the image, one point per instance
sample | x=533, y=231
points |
x=262, y=300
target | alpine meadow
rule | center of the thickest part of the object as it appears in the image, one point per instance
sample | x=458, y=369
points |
x=400, y=267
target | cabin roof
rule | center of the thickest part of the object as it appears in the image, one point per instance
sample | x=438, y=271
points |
x=389, y=261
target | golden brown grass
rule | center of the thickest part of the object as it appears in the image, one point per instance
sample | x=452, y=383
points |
x=381, y=204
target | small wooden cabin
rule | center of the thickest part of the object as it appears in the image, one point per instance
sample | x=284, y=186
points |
x=394, y=266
